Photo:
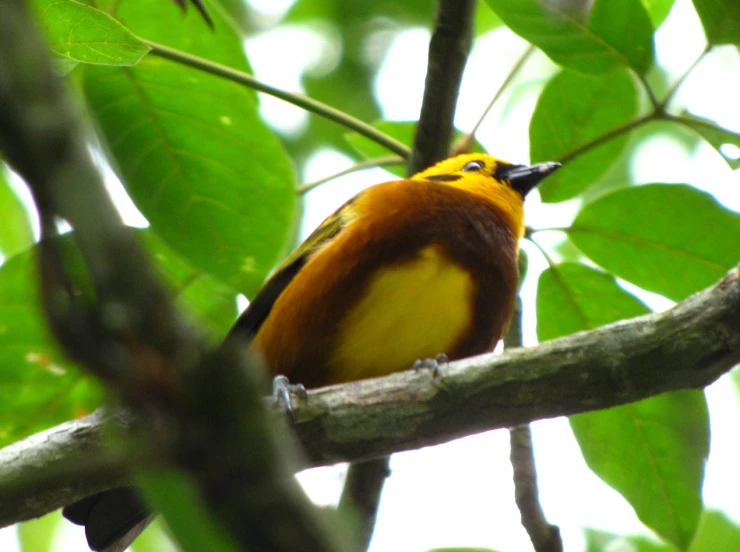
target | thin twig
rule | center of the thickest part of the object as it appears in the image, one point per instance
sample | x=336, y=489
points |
x=608, y=136
x=464, y=145
x=361, y=496
x=544, y=536
x=669, y=95
x=304, y=102
x=370, y=163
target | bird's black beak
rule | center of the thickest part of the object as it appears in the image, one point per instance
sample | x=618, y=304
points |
x=525, y=177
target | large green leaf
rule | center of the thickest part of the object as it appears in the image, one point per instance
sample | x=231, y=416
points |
x=716, y=532
x=572, y=297
x=652, y=451
x=16, y=233
x=212, y=180
x=80, y=32
x=669, y=239
x=204, y=298
x=573, y=111
x=715, y=135
x=591, y=37
x=720, y=19
x=39, y=386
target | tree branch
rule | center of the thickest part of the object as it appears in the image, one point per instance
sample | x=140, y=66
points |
x=448, y=52
x=544, y=536
x=688, y=346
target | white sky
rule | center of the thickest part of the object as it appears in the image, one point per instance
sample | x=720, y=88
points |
x=460, y=493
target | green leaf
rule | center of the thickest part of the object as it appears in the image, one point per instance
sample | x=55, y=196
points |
x=572, y=297
x=39, y=386
x=16, y=233
x=175, y=497
x=658, y=10
x=591, y=37
x=720, y=19
x=652, y=451
x=573, y=111
x=599, y=541
x=716, y=532
x=37, y=535
x=211, y=178
x=403, y=131
x=715, y=135
x=668, y=239
x=203, y=297
x=80, y=32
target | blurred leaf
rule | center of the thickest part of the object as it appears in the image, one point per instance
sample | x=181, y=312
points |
x=39, y=386
x=203, y=297
x=668, y=239
x=404, y=132
x=652, y=451
x=600, y=541
x=80, y=32
x=591, y=37
x=716, y=532
x=37, y=534
x=658, y=10
x=715, y=135
x=486, y=20
x=16, y=233
x=212, y=180
x=720, y=19
x=175, y=497
x=573, y=111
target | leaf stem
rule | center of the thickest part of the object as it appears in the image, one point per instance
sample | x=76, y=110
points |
x=377, y=162
x=609, y=135
x=504, y=85
x=672, y=91
x=304, y=102
x=649, y=89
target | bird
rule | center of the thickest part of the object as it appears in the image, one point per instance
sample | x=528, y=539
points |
x=413, y=269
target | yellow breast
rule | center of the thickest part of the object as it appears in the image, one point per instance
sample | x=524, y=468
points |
x=414, y=310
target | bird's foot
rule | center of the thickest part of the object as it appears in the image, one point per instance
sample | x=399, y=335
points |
x=432, y=364
x=281, y=390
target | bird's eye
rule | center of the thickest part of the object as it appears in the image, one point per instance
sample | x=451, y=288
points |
x=473, y=166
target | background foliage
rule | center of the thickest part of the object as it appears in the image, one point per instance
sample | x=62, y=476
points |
x=217, y=187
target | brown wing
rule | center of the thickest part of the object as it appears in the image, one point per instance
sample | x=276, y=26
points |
x=248, y=324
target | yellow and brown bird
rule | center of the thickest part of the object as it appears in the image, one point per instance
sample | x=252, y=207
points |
x=405, y=270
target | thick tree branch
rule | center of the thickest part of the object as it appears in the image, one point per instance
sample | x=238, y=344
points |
x=688, y=346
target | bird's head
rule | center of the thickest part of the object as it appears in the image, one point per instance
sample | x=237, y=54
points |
x=502, y=184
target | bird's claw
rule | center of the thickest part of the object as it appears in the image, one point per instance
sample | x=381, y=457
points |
x=432, y=364
x=281, y=390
